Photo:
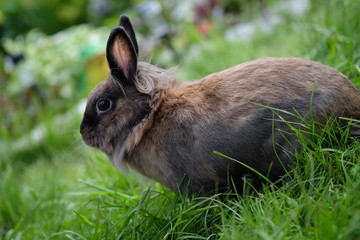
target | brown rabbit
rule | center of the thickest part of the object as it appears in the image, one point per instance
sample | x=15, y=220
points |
x=167, y=130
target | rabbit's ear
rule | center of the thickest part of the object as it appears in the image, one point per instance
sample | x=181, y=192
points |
x=121, y=55
x=126, y=24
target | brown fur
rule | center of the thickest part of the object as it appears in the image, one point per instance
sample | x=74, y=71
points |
x=168, y=130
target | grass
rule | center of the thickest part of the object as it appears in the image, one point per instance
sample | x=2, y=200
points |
x=59, y=189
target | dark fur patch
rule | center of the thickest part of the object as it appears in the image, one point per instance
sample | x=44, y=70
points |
x=142, y=110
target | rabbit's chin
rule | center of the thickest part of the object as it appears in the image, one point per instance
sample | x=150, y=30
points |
x=117, y=159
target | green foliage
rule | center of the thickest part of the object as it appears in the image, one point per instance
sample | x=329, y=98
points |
x=50, y=78
x=50, y=17
x=53, y=187
x=20, y=16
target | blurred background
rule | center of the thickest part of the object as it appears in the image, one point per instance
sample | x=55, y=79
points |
x=52, y=55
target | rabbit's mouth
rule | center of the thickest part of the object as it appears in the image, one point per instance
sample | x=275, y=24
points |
x=90, y=139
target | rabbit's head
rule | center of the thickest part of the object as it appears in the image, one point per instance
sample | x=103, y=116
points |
x=120, y=108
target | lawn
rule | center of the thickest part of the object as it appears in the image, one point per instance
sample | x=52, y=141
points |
x=54, y=187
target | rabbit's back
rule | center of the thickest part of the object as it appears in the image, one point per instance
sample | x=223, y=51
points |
x=271, y=81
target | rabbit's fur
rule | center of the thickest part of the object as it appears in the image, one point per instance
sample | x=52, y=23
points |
x=169, y=130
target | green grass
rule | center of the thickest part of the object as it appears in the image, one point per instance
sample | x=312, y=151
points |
x=59, y=189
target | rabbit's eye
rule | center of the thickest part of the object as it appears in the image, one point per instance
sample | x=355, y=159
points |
x=103, y=104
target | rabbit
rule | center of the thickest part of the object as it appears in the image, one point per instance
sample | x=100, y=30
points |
x=143, y=118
